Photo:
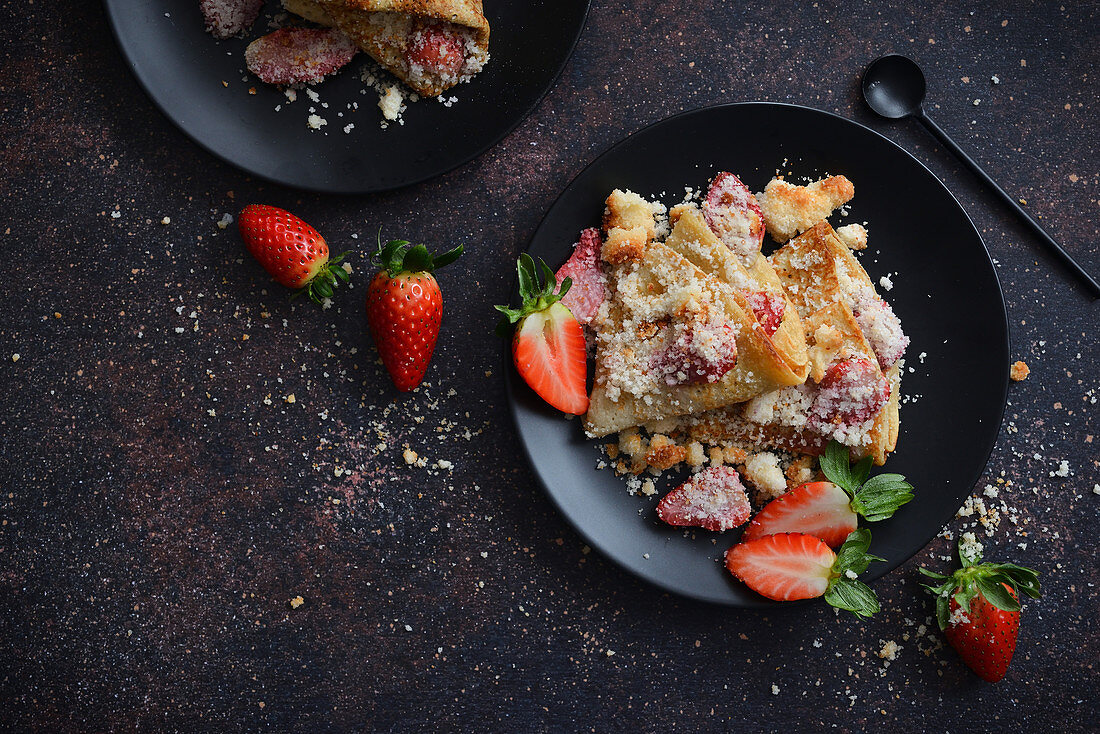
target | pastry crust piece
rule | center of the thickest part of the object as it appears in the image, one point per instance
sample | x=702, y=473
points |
x=822, y=279
x=790, y=210
x=386, y=29
x=689, y=284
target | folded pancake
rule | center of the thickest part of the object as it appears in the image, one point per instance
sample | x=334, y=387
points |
x=827, y=285
x=687, y=328
x=431, y=45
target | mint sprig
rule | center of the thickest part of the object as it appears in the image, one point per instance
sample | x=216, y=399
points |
x=844, y=591
x=875, y=498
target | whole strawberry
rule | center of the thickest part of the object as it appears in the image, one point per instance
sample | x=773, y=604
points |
x=291, y=251
x=978, y=609
x=405, y=308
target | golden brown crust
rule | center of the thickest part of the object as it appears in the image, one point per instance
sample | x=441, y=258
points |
x=311, y=10
x=366, y=21
x=693, y=262
x=789, y=210
x=624, y=245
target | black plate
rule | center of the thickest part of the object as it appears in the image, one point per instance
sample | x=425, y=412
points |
x=945, y=291
x=182, y=68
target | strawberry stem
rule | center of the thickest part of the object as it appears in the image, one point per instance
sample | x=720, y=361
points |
x=987, y=579
x=323, y=284
x=535, y=296
x=398, y=256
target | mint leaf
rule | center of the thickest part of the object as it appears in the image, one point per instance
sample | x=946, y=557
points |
x=853, y=596
x=837, y=468
x=881, y=495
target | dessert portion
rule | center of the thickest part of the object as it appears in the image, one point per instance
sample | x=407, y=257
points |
x=855, y=346
x=431, y=45
x=686, y=327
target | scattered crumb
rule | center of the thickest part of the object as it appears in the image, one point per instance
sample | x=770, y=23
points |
x=1019, y=371
x=297, y=602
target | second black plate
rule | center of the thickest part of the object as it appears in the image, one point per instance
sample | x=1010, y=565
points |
x=183, y=70
x=944, y=289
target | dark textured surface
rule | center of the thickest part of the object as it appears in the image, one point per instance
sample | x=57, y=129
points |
x=162, y=502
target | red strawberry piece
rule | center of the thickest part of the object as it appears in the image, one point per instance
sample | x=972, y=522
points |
x=820, y=509
x=881, y=326
x=436, y=50
x=697, y=353
x=768, y=308
x=225, y=18
x=978, y=609
x=791, y=566
x=734, y=216
x=589, y=288
x=299, y=55
x=548, y=346
x=851, y=392
x=290, y=250
x=713, y=499
x=405, y=309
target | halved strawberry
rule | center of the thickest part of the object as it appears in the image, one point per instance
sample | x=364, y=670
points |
x=820, y=509
x=713, y=499
x=548, y=345
x=831, y=510
x=734, y=215
x=791, y=566
x=435, y=49
x=851, y=392
x=768, y=307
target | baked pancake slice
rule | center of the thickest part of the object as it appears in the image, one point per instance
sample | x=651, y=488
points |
x=686, y=327
x=855, y=346
x=431, y=45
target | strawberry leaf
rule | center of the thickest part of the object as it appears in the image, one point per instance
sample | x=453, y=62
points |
x=844, y=590
x=997, y=595
x=881, y=495
x=537, y=294
x=837, y=468
x=876, y=498
x=853, y=596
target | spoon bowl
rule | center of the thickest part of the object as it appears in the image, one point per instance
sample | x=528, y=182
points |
x=894, y=86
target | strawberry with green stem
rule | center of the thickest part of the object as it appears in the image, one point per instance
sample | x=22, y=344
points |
x=978, y=609
x=790, y=566
x=291, y=251
x=548, y=346
x=405, y=308
x=831, y=510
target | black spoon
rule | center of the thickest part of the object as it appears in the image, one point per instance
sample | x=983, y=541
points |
x=894, y=87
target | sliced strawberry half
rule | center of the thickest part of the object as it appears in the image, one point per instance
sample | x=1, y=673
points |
x=768, y=308
x=851, y=392
x=734, y=216
x=792, y=566
x=713, y=499
x=820, y=509
x=831, y=510
x=589, y=289
x=548, y=346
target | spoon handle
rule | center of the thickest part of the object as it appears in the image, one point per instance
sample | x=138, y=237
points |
x=1046, y=239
